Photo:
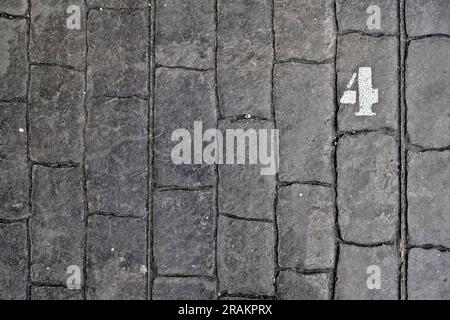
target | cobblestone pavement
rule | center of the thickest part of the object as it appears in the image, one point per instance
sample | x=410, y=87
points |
x=86, y=179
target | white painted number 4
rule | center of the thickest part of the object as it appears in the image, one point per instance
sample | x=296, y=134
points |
x=367, y=95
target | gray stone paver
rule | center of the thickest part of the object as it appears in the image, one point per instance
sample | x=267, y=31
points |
x=87, y=179
x=57, y=223
x=13, y=161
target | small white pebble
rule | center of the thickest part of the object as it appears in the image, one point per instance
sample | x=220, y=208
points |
x=112, y=249
x=48, y=268
x=142, y=269
x=248, y=116
x=301, y=194
x=21, y=130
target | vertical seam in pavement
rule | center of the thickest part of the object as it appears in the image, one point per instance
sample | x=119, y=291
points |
x=30, y=165
x=151, y=271
x=149, y=151
x=335, y=172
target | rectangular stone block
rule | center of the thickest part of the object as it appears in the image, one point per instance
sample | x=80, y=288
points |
x=381, y=55
x=182, y=97
x=116, y=258
x=361, y=15
x=57, y=223
x=13, y=261
x=14, y=186
x=245, y=256
x=183, y=289
x=13, y=59
x=428, y=198
x=367, y=187
x=244, y=57
x=118, y=4
x=295, y=286
x=14, y=7
x=55, y=293
x=427, y=17
x=185, y=33
x=51, y=40
x=304, y=110
x=243, y=190
x=56, y=114
x=304, y=29
x=184, y=229
x=428, y=275
x=117, y=55
x=117, y=155
x=306, y=235
x=367, y=273
x=427, y=95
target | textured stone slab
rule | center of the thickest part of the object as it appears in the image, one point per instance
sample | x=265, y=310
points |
x=182, y=97
x=243, y=191
x=116, y=258
x=305, y=218
x=367, y=187
x=428, y=275
x=427, y=17
x=304, y=30
x=183, y=289
x=380, y=54
x=117, y=3
x=352, y=15
x=117, y=155
x=304, y=106
x=55, y=293
x=13, y=261
x=294, y=286
x=15, y=7
x=51, y=40
x=117, y=56
x=57, y=223
x=427, y=94
x=352, y=273
x=244, y=57
x=56, y=114
x=13, y=161
x=428, y=198
x=13, y=59
x=185, y=33
x=184, y=226
x=245, y=254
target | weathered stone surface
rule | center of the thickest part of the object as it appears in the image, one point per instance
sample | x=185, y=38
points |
x=184, y=226
x=182, y=97
x=183, y=289
x=13, y=59
x=304, y=106
x=185, y=33
x=244, y=58
x=427, y=17
x=380, y=54
x=352, y=273
x=117, y=56
x=116, y=258
x=294, y=286
x=51, y=40
x=13, y=161
x=304, y=30
x=428, y=275
x=55, y=293
x=427, y=94
x=13, y=261
x=367, y=187
x=245, y=254
x=243, y=190
x=56, y=114
x=352, y=15
x=118, y=3
x=15, y=7
x=428, y=198
x=305, y=218
x=57, y=223
x=117, y=155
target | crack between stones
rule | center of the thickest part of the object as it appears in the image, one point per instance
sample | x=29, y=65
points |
x=159, y=66
x=56, y=65
x=367, y=34
x=310, y=182
x=305, y=61
x=233, y=216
